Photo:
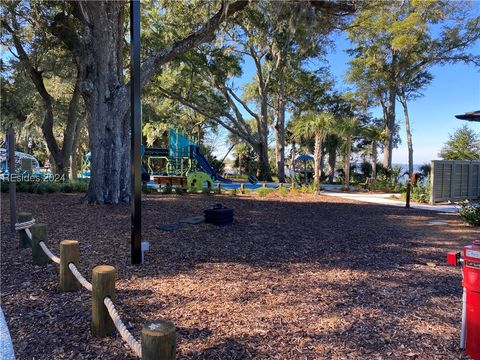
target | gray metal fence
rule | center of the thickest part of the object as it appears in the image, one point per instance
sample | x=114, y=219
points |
x=454, y=180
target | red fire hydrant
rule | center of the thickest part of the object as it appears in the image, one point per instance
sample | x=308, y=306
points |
x=470, y=338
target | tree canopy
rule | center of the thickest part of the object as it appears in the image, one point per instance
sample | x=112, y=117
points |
x=463, y=144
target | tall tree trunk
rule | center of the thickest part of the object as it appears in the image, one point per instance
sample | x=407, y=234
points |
x=318, y=154
x=332, y=159
x=74, y=155
x=240, y=164
x=374, y=159
x=346, y=184
x=322, y=165
x=403, y=100
x=280, y=128
x=101, y=73
x=390, y=112
x=389, y=129
x=263, y=164
x=97, y=47
x=292, y=162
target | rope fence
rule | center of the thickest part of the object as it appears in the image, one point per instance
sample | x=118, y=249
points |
x=80, y=277
x=47, y=252
x=122, y=329
x=158, y=338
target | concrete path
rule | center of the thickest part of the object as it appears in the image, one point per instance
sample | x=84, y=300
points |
x=384, y=199
x=6, y=346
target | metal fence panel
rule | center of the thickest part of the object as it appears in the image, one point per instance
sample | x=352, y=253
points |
x=454, y=180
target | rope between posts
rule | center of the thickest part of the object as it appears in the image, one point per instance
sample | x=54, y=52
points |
x=79, y=277
x=47, y=252
x=122, y=329
x=24, y=225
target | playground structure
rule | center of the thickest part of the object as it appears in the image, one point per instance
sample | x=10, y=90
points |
x=181, y=164
x=25, y=164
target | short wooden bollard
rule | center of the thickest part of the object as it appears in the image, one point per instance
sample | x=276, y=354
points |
x=103, y=285
x=242, y=188
x=24, y=240
x=158, y=340
x=39, y=234
x=69, y=253
x=219, y=188
x=264, y=185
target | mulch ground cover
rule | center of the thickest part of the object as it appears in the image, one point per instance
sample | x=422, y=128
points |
x=304, y=277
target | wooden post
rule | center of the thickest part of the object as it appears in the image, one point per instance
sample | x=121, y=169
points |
x=24, y=241
x=242, y=188
x=158, y=340
x=12, y=181
x=264, y=185
x=103, y=285
x=39, y=233
x=407, y=200
x=219, y=188
x=69, y=253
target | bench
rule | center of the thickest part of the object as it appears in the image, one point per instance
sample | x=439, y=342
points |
x=368, y=181
x=171, y=180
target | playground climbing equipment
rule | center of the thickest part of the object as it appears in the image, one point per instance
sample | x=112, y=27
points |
x=197, y=180
x=183, y=157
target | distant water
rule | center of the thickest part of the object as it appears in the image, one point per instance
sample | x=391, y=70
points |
x=416, y=167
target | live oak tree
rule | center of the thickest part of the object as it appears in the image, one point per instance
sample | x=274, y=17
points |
x=291, y=33
x=276, y=37
x=49, y=69
x=94, y=33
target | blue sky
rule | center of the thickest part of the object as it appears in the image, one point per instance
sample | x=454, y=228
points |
x=454, y=90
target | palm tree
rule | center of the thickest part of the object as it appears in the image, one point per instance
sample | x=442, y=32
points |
x=375, y=135
x=346, y=129
x=315, y=126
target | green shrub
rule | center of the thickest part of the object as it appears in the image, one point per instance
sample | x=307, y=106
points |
x=167, y=190
x=283, y=191
x=386, y=185
x=308, y=189
x=470, y=212
x=41, y=187
x=262, y=192
x=419, y=194
x=180, y=191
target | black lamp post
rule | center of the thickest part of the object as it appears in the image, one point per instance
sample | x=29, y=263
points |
x=136, y=133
